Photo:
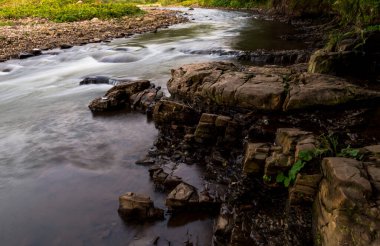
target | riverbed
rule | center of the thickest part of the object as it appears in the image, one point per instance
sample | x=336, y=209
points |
x=62, y=169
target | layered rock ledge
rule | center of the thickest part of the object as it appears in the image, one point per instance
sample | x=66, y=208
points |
x=264, y=89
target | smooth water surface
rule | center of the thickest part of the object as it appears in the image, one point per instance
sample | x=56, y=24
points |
x=62, y=169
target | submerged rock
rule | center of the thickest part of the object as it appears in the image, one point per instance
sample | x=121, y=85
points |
x=95, y=80
x=120, y=58
x=134, y=206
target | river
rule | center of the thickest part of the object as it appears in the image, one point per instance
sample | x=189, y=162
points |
x=62, y=169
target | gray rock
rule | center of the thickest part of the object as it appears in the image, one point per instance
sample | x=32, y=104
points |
x=95, y=80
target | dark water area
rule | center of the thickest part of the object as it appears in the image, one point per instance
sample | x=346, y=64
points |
x=62, y=169
x=267, y=35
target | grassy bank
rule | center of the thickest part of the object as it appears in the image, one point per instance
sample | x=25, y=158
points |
x=66, y=10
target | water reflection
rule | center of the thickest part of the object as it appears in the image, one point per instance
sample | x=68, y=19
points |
x=266, y=35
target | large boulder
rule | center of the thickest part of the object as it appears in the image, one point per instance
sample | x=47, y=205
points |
x=346, y=211
x=138, y=207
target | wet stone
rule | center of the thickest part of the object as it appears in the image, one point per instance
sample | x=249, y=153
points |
x=180, y=196
x=159, y=176
x=95, y=80
x=171, y=182
x=153, y=169
x=138, y=207
x=25, y=55
x=146, y=161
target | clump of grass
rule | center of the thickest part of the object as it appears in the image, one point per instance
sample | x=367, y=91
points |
x=372, y=28
x=66, y=10
x=6, y=23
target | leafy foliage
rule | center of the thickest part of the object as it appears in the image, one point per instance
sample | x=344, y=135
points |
x=359, y=12
x=67, y=10
x=303, y=158
x=329, y=146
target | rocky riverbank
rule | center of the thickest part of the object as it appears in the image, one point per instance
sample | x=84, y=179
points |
x=27, y=37
x=291, y=157
x=290, y=153
x=247, y=126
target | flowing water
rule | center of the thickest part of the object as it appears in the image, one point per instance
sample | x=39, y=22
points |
x=62, y=169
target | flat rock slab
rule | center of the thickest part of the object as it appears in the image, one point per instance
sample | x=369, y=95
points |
x=265, y=89
x=324, y=90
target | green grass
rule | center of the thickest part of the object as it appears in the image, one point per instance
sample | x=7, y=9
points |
x=372, y=28
x=6, y=23
x=66, y=10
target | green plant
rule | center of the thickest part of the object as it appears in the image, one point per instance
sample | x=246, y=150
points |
x=334, y=40
x=329, y=146
x=303, y=158
x=372, y=28
x=350, y=153
x=267, y=178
